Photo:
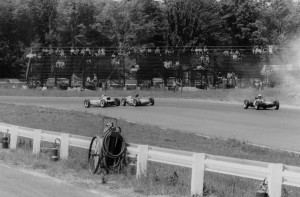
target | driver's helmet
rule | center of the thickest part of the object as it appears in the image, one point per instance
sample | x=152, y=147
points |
x=259, y=96
x=136, y=95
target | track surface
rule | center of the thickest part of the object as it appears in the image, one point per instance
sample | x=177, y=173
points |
x=277, y=129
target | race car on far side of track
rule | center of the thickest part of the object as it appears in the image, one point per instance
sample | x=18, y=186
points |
x=102, y=101
x=260, y=102
x=136, y=100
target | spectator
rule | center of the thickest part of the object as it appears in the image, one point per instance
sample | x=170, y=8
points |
x=234, y=57
x=226, y=53
x=102, y=52
x=197, y=51
x=205, y=50
x=57, y=51
x=207, y=58
x=95, y=78
x=72, y=51
x=82, y=52
x=202, y=59
x=157, y=50
x=88, y=79
x=149, y=50
x=76, y=51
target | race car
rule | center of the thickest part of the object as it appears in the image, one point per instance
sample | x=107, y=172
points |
x=102, y=101
x=136, y=100
x=259, y=102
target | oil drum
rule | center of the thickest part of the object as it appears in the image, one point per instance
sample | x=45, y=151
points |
x=5, y=140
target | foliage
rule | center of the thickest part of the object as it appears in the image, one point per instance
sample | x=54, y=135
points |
x=138, y=23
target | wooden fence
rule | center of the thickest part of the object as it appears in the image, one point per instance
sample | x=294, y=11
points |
x=276, y=174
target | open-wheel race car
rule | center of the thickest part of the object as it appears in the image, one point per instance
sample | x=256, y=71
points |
x=102, y=101
x=259, y=102
x=136, y=100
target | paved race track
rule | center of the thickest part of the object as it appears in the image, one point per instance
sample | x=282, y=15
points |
x=278, y=129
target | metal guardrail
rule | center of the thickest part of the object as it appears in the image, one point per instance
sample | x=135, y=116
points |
x=290, y=175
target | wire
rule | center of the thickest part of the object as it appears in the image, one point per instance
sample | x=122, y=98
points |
x=119, y=157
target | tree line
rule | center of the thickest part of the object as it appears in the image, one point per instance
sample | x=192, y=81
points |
x=127, y=24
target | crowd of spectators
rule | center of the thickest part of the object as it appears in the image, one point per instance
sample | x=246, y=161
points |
x=202, y=51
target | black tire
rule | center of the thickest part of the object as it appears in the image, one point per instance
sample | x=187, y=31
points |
x=151, y=101
x=246, y=104
x=87, y=103
x=256, y=105
x=117, y=100
x=277, y=105
x=102, y=103
x=135, y=102
x=94, y=157
x=123, y=101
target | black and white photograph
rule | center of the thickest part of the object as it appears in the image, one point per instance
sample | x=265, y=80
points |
x=150, y=98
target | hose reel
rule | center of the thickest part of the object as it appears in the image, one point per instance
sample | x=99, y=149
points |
x=108, y=152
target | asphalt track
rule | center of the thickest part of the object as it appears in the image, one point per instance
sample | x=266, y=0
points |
x=272, y=128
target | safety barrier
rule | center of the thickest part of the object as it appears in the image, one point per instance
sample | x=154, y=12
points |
x=276, y=174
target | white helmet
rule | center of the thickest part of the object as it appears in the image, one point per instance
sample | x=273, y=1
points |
x=259, y=96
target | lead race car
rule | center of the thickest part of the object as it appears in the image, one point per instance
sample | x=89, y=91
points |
x=102, y=101
x=260, y=102
x=136, y=100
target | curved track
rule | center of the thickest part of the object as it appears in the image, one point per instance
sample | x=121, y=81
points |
x=277, y=129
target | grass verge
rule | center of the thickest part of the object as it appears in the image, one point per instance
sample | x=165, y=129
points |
x=287, y=95
x=161, y=179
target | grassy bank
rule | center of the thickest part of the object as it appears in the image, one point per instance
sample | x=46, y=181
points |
x=160, y=179
x=287, y=95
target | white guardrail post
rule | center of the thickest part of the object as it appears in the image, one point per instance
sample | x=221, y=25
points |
x=13, y=137
x=198, y=174
x=37, y=141
x=275, y=180
x=141, y=164
x=64, y=146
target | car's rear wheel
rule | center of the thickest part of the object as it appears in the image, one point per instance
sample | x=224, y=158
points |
x=86, y=103
x=277, y=105
x=246, y=104
x=123, y=101
x=117, y=100
x=102, y=103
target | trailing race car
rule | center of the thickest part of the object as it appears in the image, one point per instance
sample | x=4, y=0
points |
x=259, y=102
x=137, y=101
x=102, y=101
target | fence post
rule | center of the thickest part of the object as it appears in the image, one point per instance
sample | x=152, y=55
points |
x=197, y=174
x=64, y=146
x=37, y=138
x=141, y=164
x=13, y=137
x=275, y=180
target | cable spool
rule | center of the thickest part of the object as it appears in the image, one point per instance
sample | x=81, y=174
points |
x=108, y=153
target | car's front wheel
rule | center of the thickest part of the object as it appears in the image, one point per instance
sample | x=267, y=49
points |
x=123, y=101
x=246, y=104
x=256, y=105
x=151, y=101
x=134, y=102
x=277, y=105
x=102, y=103
x=86, y=103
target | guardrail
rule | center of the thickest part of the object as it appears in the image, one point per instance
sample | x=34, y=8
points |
x=276, y=174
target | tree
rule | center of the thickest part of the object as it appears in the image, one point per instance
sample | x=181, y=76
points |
x=192, y=22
